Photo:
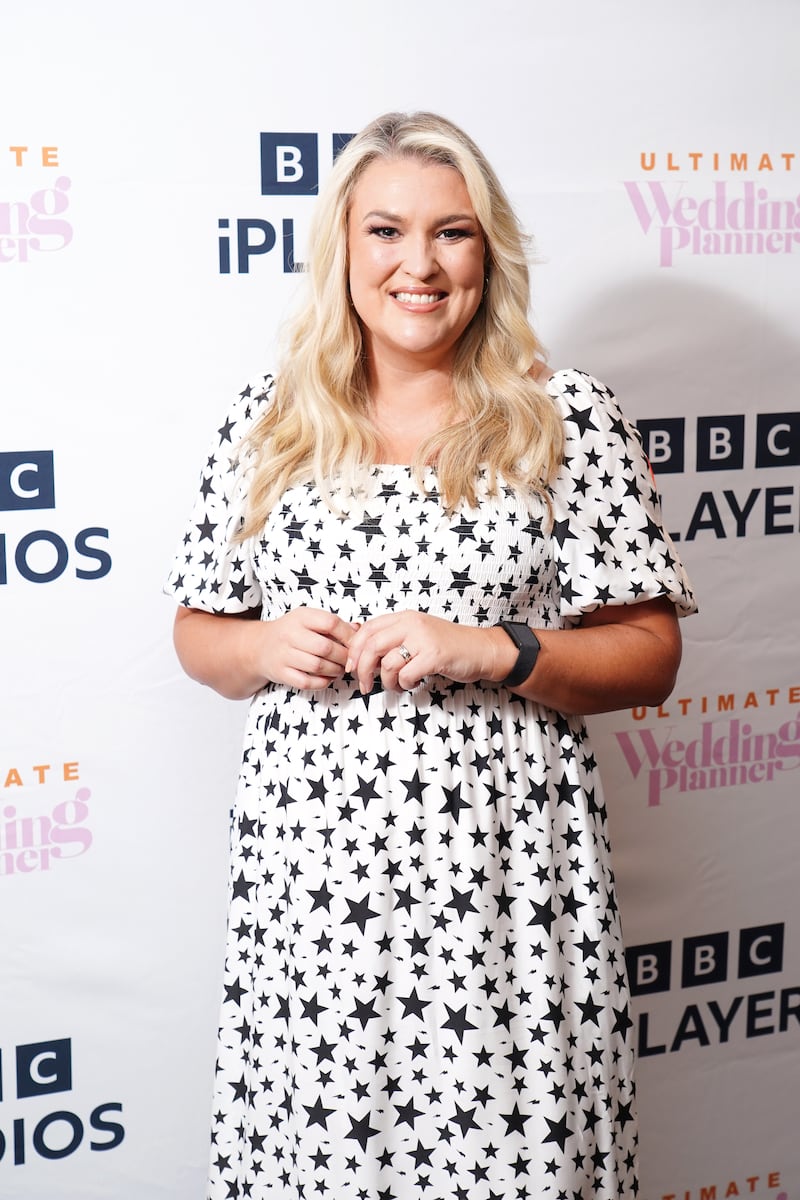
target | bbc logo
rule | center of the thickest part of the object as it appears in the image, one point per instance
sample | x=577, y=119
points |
x=41, y=1068
x=705, y=959
x=720, y=442
x=290, y=162
x=26, y=480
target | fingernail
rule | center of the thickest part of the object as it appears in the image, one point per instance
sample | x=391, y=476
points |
x=348, y=666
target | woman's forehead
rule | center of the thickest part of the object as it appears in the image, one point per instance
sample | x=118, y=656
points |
x=415, y=182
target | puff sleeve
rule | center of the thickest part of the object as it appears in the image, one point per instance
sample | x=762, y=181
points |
x=211, y=571
x=609, y=543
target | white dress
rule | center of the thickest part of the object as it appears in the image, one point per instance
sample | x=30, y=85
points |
x=425, y=990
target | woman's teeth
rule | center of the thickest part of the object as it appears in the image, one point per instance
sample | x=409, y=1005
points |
x=418, y=297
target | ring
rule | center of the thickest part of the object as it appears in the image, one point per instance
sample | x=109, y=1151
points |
x=404, y=653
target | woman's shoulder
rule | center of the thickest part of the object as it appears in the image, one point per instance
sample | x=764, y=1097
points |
x=571, y=381
x=250, y=402
x=243, y=411
x=568, y=381
x=579, y=395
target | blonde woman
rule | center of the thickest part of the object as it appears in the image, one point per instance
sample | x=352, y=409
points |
x=425, y=556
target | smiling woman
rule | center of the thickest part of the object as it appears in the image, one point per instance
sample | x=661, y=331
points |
x=490, y=404
x=417, y=271
x=452, y=552
x=417, y=265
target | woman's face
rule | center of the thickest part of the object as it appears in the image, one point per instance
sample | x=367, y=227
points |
x=416, y=255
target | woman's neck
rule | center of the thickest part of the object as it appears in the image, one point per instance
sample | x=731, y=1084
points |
x=407, y=407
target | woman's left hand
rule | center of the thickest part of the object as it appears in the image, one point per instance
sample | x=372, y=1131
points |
x=402, y=648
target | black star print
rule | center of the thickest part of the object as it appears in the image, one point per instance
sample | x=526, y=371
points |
x=360, y=912
x=455, y=804
x=413, y=1004
x=361, y=1130
x=318, y=1114
x=411, y=872
x=457, y=1021
x=407, y=1113
x=461, y=902
x=465, y=1119
x=515, y=1120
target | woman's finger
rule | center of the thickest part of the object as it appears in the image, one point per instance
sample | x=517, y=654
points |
x=318, y=665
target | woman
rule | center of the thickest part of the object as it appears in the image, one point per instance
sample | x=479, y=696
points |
x=452, y=552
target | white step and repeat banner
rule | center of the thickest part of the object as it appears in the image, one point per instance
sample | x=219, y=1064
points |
x=157, y=169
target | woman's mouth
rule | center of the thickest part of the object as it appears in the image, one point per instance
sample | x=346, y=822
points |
x=420, y=299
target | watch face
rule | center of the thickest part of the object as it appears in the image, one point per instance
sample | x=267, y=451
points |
x=527, y=645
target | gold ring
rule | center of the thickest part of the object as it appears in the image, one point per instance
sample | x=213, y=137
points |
x=404, y=653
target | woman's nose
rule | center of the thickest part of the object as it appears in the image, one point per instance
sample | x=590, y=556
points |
x=420, y=257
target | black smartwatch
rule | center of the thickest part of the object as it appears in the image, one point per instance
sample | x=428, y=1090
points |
x=528, y=646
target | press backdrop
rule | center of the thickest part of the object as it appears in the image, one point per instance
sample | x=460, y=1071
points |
x=157, y=168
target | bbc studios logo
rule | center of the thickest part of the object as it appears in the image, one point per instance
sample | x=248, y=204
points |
x=42, y=555
x=33, y=1072
x=289, y=168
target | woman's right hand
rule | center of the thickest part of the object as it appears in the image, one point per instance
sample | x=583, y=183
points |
x=305, y=649
x=236, y=655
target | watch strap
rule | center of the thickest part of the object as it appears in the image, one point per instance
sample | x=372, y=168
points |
x=528, y=647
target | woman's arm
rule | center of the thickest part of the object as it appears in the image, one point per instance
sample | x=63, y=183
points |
x=620, y=656
x=238, y=655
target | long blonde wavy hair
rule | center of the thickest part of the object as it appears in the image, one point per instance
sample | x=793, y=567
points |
x=317, y=424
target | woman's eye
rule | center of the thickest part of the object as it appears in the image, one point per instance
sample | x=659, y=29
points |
x=383, y=231
x=454, y=235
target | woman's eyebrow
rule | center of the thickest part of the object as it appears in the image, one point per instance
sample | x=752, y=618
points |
x=380, y=215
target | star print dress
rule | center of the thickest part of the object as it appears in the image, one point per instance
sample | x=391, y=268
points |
x=425, y=991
